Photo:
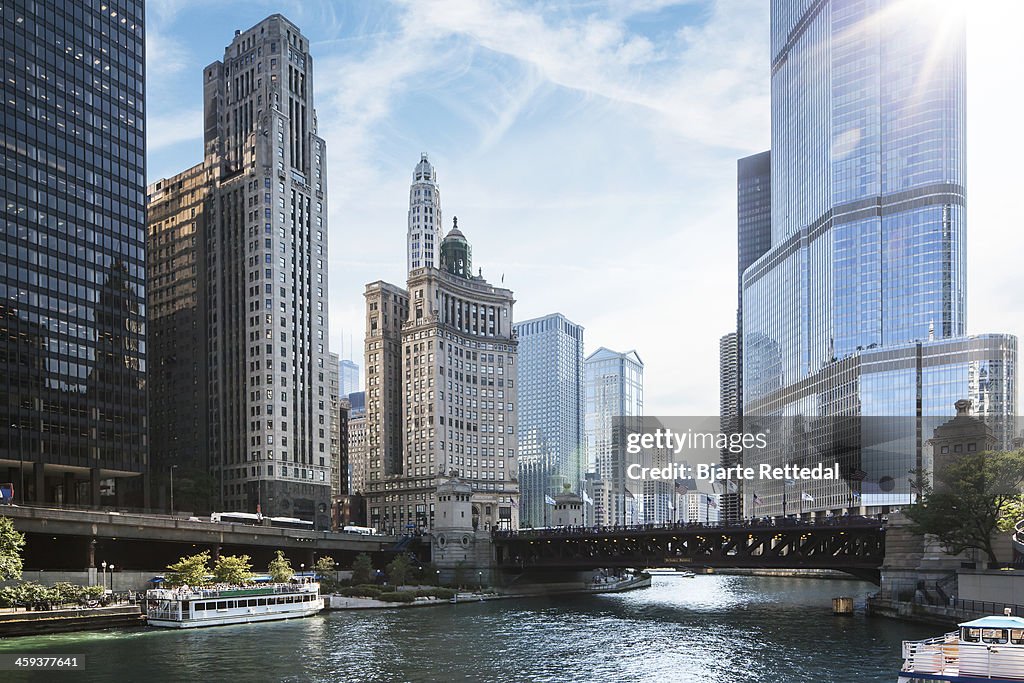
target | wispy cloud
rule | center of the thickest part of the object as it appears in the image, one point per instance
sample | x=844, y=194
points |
x=168, y=129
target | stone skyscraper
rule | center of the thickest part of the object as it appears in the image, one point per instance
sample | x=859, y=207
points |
x=858, y=309
x=440, y=390
x=551, y=407
x=73, y=359
x=266, y=278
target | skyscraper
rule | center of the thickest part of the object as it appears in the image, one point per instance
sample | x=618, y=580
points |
x=730, y=421
x=339, y=429
x=425, y=224
x=348, y=377
x=357, y=467
x=551, y=407
x=440, y=389
x=266, y=278
x=73, y=427
x=614, y=385
x=177, y=306
x=859, y=307
x=753, y=239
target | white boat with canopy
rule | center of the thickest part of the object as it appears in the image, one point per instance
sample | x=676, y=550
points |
x=989, y=649
x=193, y=607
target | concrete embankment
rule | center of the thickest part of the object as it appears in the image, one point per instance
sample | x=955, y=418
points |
x=68, y=620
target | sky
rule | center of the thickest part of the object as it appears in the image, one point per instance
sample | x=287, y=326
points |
x=587, y=147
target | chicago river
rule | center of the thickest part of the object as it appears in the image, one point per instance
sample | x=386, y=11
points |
x=709, y=628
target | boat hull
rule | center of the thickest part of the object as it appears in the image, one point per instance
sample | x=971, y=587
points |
x=247, y=618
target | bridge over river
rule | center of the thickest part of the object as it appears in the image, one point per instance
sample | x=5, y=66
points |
x=855, y=545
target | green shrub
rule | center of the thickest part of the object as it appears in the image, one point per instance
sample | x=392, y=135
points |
x=397, y=596
x=360, y=592
x=439, y=593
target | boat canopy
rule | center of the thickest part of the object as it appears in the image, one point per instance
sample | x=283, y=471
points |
x=995, y=622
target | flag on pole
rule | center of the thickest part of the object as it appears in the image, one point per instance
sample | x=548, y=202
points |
x=791, y=482
x=757, y=500
x=806, y=496
x=549, y=500
x=587, y=499
x=712, y=502
x=733, y=486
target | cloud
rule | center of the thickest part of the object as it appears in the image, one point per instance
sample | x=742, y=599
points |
x=165, y=130
x=574, y=148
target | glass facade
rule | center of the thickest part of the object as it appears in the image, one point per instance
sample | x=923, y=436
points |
x=867, y=232
x=551, y=403
x=72, y=265
x=614, y=386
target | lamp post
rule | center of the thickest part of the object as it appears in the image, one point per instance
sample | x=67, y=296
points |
x=480, y=581
x=104, y=575
x=111, y=578
x=302, y=571
x=172, y=468
x=21, y=463
x=438, y=577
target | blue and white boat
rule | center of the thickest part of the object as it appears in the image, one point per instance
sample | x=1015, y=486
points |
x=990, y=649
x=195, y=607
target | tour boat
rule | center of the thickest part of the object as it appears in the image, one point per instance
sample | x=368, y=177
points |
x=670, y=571
x=989, y=649
x=193, y=607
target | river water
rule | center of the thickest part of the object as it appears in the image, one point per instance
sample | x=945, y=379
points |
x=709, y=628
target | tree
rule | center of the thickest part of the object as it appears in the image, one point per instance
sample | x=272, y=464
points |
x=974, y=496
x=398, y=570
x=280, y=569
x=191, y=570
x=233, y=569
x=325, y=567
x=11, y=543
x=362, y=569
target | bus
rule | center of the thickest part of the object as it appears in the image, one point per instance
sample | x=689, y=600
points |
x=259, y=520
x=361, y=530
x=236, y=518
x=290, y=523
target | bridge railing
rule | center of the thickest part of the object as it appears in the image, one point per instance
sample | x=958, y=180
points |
x=847, y=521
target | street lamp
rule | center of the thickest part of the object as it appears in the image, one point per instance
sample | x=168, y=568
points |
x=302, y=571
x=21, y=464
x=480, y=580
x=172, y=468
x=438, y=577
x=104, y=575
x=111, y=578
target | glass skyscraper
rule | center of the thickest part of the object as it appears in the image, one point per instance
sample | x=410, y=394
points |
x=614, y=386
x=551, y=403
x=859, y=307
x=72, y=267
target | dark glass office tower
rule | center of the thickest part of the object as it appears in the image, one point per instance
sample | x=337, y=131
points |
x=753, y=240
x=72, y=269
